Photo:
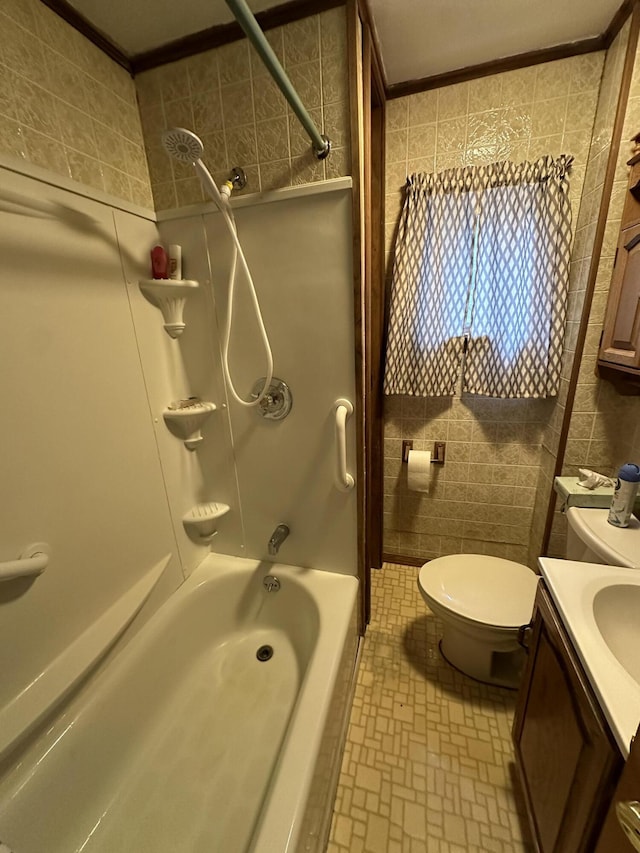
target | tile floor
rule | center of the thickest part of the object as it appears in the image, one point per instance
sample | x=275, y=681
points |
x=428, y=760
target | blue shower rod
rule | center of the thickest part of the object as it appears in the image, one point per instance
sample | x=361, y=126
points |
x=244, y=16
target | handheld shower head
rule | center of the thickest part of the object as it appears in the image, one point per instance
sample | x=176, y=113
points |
x=186, y=147
x=182, y=145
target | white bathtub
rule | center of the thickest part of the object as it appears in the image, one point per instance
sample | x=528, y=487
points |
x=185, y=742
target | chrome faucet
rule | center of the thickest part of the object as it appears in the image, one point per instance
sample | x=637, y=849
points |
x=277, y=538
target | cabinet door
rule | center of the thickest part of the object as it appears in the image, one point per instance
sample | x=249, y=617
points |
x=612, y=838
x=566, y=760
x=621, y=336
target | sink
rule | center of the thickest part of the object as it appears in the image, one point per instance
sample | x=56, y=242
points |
x=616, y=609
x=600, y=609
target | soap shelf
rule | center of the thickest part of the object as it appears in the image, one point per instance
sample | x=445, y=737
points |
x=169, y=295
x=186, y=422
x=201, y=522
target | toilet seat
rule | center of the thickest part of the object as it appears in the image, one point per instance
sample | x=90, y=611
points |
x=485, y=590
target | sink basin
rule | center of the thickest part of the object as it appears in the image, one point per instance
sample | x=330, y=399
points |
x=616, y=609
x=600, y=609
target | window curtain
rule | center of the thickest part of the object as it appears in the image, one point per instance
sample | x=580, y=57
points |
x=431, y=279
x=482, y=256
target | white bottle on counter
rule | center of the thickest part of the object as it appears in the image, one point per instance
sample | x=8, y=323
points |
x=624, y=495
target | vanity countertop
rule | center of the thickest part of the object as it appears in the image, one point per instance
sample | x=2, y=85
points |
x=600, y=608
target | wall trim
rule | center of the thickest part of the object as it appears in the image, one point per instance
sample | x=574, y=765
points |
x=222, y=34
x=52, y=179
x=367, y=19
x=216, y=36
x=295, y=10
x=67, y=12
x=495, y=66
x=403, y=560
x=618, y=21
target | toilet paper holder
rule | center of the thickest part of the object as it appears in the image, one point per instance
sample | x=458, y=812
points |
x=437, y=456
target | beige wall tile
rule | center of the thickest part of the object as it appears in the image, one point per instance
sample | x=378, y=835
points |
x=46, y=152
x=602, y=430
x=334, y=80
x=237, y=105
x=233, y=62
x=242, y=142
x=493, y=445
x=240, y=113
x=85, y=170
x=268, y=99
x=339, y=164
x=53, y=84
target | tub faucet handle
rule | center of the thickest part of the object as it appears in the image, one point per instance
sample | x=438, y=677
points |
x=277, y=538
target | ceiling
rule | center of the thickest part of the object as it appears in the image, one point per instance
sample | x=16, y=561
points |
x=417, y=38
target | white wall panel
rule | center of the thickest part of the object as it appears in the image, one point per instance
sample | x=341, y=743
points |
x=79, y=465
x=300, y=253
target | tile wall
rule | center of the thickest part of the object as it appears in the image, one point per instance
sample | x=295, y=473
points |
x=228, y=98
x=604, y=430
x=67, y=107
x=582, y=417
x=482, y=499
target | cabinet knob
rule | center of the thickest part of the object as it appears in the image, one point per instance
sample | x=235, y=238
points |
x=628, y=814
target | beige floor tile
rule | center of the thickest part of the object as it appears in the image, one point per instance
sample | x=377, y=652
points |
x=427, y=766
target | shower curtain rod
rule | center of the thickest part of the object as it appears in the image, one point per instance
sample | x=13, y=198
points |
x=244, y=16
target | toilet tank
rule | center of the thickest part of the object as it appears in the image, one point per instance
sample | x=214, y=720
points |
x=591, y=539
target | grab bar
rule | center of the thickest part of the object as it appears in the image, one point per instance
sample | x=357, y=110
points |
x=344, y=408
x=244, y=16
x=33, y=560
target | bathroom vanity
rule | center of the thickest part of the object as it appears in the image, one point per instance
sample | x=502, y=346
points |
x=576, y=714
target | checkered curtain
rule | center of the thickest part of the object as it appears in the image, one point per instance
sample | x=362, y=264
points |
x=483, y=254
x=431, y=279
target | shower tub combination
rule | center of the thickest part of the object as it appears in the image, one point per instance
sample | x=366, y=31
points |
x=195, y=738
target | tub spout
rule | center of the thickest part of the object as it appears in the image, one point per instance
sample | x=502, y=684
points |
x=277, y=538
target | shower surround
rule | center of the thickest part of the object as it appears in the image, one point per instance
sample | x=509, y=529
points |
x=108, y=483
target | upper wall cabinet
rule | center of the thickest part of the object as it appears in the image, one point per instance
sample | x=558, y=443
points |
x=631, y=212
x=619, y=355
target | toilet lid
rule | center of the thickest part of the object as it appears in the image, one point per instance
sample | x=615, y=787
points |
x=484, y=589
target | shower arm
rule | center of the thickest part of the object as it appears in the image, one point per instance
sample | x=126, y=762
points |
x=244, y=16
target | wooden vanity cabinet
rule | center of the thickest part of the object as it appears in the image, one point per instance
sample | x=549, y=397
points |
x=567, y=760
x=612, y=839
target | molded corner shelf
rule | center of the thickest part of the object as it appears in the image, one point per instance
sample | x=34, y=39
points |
x=201, y=522
x=187, y=422
x=169, y=295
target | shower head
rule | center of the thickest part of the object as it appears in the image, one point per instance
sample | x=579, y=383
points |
x=182, y=144
x=186, y=147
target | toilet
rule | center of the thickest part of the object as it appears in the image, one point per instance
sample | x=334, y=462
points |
x=483, y=601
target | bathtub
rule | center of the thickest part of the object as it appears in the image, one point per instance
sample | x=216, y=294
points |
x=187, y=742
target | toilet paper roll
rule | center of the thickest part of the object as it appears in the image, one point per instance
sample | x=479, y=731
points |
x=419, y=470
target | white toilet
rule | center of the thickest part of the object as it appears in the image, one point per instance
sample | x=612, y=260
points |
x=483, y=601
